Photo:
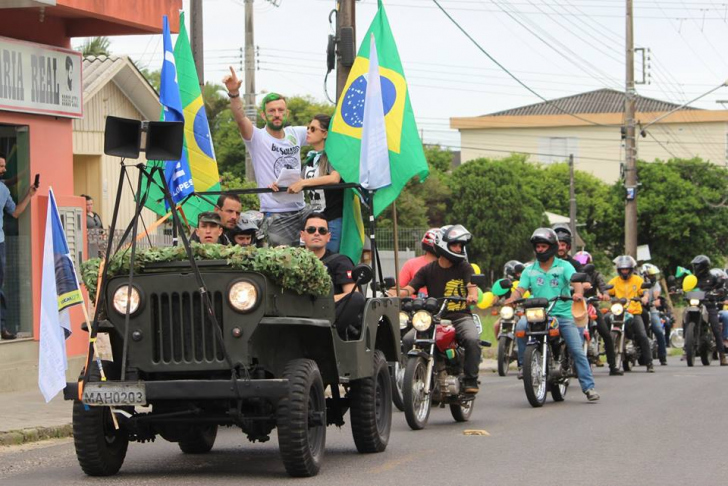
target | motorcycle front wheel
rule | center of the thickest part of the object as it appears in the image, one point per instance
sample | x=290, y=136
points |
x=504, y=355
x=417, y=400
x=690, y=343
x=618, y=355
x=534, y=376
x=461, y=411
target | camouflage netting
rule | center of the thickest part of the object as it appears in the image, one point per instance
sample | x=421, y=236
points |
x=295, y=269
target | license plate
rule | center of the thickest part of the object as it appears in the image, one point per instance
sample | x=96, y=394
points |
x=114, y=394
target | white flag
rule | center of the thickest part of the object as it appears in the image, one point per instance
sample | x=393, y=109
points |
x=374, y=172
x=59, y=290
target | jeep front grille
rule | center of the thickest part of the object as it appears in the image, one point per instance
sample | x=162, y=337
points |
x=182, y=331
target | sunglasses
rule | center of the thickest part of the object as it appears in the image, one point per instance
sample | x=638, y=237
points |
x=321, y=230
x=314, y=129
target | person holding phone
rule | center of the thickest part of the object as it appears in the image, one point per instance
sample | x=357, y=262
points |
x=8, y=207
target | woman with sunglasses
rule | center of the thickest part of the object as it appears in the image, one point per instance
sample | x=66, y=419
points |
x=317, y=171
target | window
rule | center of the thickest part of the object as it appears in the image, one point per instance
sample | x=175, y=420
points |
x=557, y=149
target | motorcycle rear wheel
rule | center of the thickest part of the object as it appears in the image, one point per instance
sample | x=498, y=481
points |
x=417, y=400
x=706, y=353
x=397, y=383
x=618, y=355
x=534, y=376
x=690, y=343
x=504, y=355
x=462, y=411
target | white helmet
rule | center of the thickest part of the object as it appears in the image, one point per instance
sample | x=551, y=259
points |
x=449, y=235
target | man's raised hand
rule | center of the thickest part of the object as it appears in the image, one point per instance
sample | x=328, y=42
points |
x=231, y=82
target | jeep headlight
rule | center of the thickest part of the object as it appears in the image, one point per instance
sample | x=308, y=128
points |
x=536, y=314
x=694, y=302
x=403, y=320
x=617, y=309
x=422, y=320
x=243, y=296
x=507, y=313
x=122, y=295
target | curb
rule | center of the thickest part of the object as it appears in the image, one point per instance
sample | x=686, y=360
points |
x=34, y=434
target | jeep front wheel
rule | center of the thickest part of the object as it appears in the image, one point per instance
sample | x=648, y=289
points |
x=371, y=408
x=301, y=419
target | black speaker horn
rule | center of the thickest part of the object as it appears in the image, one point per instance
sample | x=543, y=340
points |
x=165, y=140
x=122, y=137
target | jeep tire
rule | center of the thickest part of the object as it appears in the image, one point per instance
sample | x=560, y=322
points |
x=199, y=439
x=371, y=407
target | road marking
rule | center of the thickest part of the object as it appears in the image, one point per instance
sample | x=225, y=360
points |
x=476, y=432
x=389, y=465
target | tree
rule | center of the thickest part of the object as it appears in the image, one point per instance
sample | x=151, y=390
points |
x=96, y=46
x=153, y=77
x=438, y=159
x=497, y=204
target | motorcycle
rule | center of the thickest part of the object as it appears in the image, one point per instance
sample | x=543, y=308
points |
x=434, y=371
x=507, y=350
x=593, y=345
x=627, y=351
x=397, y=368
x=697, y=333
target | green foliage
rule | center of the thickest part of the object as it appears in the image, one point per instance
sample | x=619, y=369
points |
x=496, y=202
x=304, y=108
x=294, y=269
x=438, y=159
x=229, y=181
x=229, y=146
x=96, y=46
x=153, y=77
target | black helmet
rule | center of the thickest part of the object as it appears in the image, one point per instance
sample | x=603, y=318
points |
x=701, y=265
x=720, y=276
x=563, y=232
x=548, y=236
x=449, y=235
x=513, y=269
x=625, y=261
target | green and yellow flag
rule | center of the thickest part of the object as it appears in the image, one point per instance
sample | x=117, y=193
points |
x=197, y=140
x=343, y=146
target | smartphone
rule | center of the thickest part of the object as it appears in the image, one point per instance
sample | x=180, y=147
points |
x=36, y=182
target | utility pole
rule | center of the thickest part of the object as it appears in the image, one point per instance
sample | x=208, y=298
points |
x=249, y=96
x=572, y=203
x=346, y=43
x=196, y=39
x=630, y=143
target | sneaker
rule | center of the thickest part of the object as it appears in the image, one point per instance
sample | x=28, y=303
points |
x=471, y=386
x=650, y=368
x=520, y=373
x=615, y=372
x=591, y=395
x=7, y=335
x=663, y=362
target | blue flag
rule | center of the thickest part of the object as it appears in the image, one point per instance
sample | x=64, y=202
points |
x=59, y=291
x=177, y=174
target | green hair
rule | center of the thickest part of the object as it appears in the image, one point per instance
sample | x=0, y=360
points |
x=270, y=97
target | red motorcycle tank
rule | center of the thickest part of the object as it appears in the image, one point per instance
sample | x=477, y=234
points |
x=445, y=338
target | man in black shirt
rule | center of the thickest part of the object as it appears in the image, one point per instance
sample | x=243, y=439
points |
x=710, y=281
x=449, y=276
x=564, y=234
x=349, y=301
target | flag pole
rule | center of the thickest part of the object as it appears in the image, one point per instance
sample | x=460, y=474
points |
x=396, y=246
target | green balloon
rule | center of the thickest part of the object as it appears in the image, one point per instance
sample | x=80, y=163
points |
x=498, y=289
x=682, y=272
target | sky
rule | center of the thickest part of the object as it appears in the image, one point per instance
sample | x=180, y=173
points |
x=556, y=47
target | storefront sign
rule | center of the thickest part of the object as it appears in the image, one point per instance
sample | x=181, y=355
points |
x=35, y=78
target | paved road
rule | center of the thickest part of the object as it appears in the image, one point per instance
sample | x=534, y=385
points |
x=647, y=429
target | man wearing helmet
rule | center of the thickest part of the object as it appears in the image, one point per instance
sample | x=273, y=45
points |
x=711, y=281
x=564, y=234
x=244, y=232
x=650, y=301
x=512, y=271
x=547, y=278
x=597, y=286
x=449, y=276
x=413, y=265
x=628, y=285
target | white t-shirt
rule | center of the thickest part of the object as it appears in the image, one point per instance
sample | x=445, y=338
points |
x=270, y=155
x=316, y=197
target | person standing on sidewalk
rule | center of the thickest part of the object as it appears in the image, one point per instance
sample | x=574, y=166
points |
x=8, y=207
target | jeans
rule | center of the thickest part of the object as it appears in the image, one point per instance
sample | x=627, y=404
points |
x=659, y=334
x=574, y=337
x=335, y=241
x=723, y=316
x=468, y=338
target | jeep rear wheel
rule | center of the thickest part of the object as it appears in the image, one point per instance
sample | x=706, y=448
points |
x=301, y=419
x=371, y=408
x=100, y=448
x=199, y=439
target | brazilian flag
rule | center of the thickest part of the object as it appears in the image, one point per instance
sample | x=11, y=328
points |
x=343, y=146
x=197, y=141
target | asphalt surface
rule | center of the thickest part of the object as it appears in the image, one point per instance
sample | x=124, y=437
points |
x=662, y=428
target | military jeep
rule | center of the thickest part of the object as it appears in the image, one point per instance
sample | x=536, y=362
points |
x=266, y=365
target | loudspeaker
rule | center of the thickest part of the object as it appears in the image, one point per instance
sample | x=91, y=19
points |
x=122, y=137
x=165, y=140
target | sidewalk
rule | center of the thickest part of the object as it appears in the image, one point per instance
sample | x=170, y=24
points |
x=27, y=417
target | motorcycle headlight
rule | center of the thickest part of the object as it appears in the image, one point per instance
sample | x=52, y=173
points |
x=536, y=314
x=422, y=320
x=243, y=296
x=121, y=296
x=617, y=309
x=694, y=302
x=507, y=313
x=403, y=320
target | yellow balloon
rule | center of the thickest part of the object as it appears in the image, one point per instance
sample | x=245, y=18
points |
x=476, y=268
x=487, y=300
x=689, y=283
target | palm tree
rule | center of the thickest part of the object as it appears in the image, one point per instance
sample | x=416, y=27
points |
x=96, y=46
